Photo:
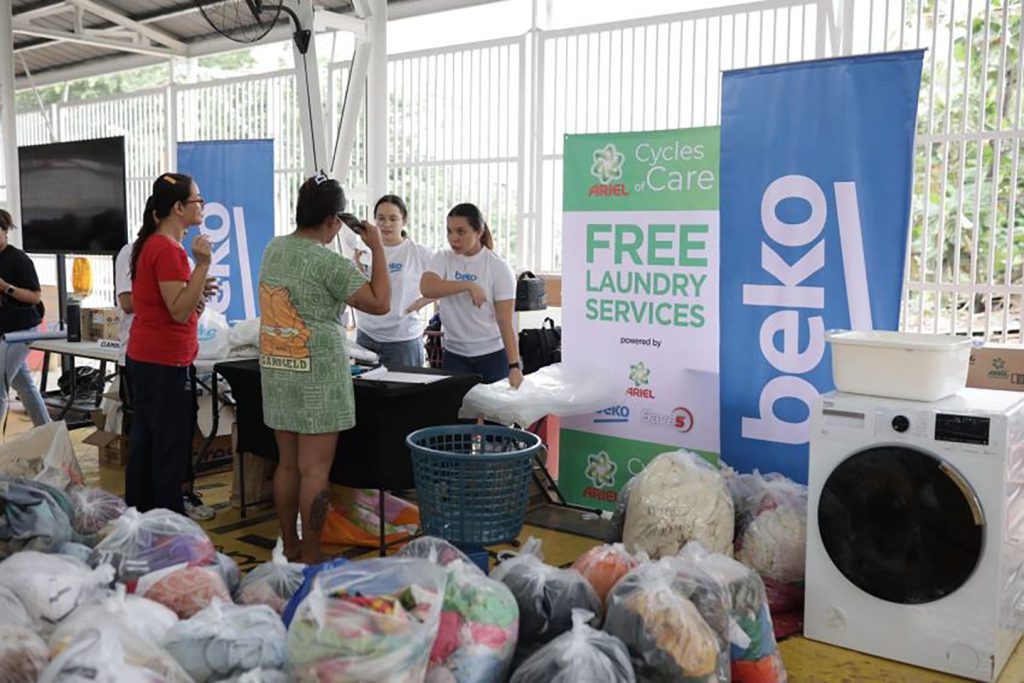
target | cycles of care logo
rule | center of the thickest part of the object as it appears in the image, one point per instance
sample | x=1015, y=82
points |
x=607, y=168
x=640, y=377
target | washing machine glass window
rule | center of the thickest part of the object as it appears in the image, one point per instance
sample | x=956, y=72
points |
x=901, y=524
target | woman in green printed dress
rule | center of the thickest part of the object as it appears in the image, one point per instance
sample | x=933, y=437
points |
x=307, y=385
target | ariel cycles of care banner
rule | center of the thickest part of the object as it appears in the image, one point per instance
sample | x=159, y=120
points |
x=640, y=301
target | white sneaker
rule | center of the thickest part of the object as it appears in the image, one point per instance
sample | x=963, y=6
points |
x=195, y=508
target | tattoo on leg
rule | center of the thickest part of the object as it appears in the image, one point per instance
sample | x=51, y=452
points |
x=318, y=510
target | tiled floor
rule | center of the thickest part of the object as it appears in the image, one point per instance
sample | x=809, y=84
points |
x=249, y=542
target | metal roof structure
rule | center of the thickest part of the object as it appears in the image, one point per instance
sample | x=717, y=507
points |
x=59, y=40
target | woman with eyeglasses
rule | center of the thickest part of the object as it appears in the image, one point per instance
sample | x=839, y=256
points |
x=397, y=338
x=19, y=310
x=304, y=367
x=167, y=296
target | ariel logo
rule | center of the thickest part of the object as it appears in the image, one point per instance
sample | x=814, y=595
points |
x=601, y=470
x=998, y=368
x=639, y=374
x=607, y=164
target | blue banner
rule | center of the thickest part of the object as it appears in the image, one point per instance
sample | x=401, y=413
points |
x=817, y=162
x=236, y=178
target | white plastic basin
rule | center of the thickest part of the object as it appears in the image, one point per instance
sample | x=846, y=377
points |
x=917, y=367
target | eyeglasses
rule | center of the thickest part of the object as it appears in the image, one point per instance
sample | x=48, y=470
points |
x=199, y=200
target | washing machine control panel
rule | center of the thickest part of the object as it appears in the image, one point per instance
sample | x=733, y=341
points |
x=962, y=428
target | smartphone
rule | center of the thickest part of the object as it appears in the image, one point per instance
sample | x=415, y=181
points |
x=352, y=222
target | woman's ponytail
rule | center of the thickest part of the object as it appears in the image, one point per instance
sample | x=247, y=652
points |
x=486, y=238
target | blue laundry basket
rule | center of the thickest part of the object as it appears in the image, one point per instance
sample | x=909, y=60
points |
x=472, y=482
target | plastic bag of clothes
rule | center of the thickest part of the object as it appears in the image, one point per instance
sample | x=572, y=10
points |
x=604, y=565
x=185, y=588
x=140, y=615
x=94, y=508
x=654, y=611
x=229, y=571
x=140, y=543
x=435, y=550
x=23, y=655
x=106, y=652
x=44, y=453
x=552, y=390
x=754, y=652
x=271, y=583
x=478, y=631
x=581, y=654
x=51, y=586
x=354, y=518
x=679, y=497
x=771, y=525
x=260, y=675
x=309, y=574
x=12, y=610
x=374, y=620
x=225, y=640
x=546, y=595
x=33, y=516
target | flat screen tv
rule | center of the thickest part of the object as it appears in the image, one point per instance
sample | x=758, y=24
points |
x=73, y=197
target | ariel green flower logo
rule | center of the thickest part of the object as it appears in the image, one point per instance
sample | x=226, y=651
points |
x=639, y=374
x=998, y=364
x=607, y=164
x=601, y=470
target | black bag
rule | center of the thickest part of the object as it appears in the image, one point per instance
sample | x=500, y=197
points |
x=88, y=383
x=540, y=347
x=531, y=293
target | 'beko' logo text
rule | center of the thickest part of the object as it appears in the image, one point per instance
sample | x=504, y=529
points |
x=612, y=414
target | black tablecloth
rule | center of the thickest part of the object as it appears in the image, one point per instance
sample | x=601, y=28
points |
x=373, y=454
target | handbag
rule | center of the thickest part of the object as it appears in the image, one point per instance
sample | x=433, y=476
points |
x=531, y=292
x=540, y=347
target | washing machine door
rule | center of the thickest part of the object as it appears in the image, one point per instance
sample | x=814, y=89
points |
x=901, y=524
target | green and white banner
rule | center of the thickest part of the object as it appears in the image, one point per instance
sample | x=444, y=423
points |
x=640, y=301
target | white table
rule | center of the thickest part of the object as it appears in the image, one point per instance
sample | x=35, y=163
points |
x=82, y=349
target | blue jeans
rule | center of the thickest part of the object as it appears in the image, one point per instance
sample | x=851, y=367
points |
x=16, y=374
x=394, y=354
x=492, y=366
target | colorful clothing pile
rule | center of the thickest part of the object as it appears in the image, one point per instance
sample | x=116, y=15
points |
x=185, y=589
x=603, y=566
x=478, y=631
x=33, y=516
x=141, y=543
x=582, y=654
x=368, y=621
x=94, y=508
x=546, y=595
x=272, y=583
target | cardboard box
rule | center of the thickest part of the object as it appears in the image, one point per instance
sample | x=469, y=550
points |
x=997, y=366
x=259, y=476
x=113, y=447
x=100, y=323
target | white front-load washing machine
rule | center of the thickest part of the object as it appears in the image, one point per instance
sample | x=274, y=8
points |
x=915, y=523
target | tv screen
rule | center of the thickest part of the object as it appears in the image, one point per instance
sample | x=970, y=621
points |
x=73, y=197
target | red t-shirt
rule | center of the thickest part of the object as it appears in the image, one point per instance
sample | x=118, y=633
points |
x=155, y=337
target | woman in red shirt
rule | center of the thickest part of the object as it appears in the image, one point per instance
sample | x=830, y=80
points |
x=162, y=344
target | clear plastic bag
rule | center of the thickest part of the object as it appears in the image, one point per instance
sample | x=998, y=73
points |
x=435, y=550
x=618, y=523
x=604, y=565
x=552, y=390
x=185, y=589
x=546, y=595
x=140, y=543
x=478, y=631
x=225, y=640
x=581, y=654
x=368, y=621
x=245, y=333
x=310, y=573
x=23, y=655
x=213, y=332
x=12, y=610
x=106, y=652
x=259, y=675
x=654, y=611
x=229, y=571
x=33, y=516
x=679, y=497
x=51, y=586
x=771, y=525
x=272, y=583
x=44, y=453
x=754, y=652
x=142, y=616
x=94, y=508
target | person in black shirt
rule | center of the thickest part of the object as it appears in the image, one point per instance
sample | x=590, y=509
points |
x=19, y=308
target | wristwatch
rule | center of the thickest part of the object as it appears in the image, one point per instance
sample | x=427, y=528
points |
x=517, y=364
x=10, y=290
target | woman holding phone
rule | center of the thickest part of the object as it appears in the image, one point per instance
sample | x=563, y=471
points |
x=304, y=365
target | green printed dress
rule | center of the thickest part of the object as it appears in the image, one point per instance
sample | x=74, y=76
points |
x=307, y=385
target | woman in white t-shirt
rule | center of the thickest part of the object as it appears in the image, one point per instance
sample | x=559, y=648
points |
x=397, y=337
x=477, y=292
